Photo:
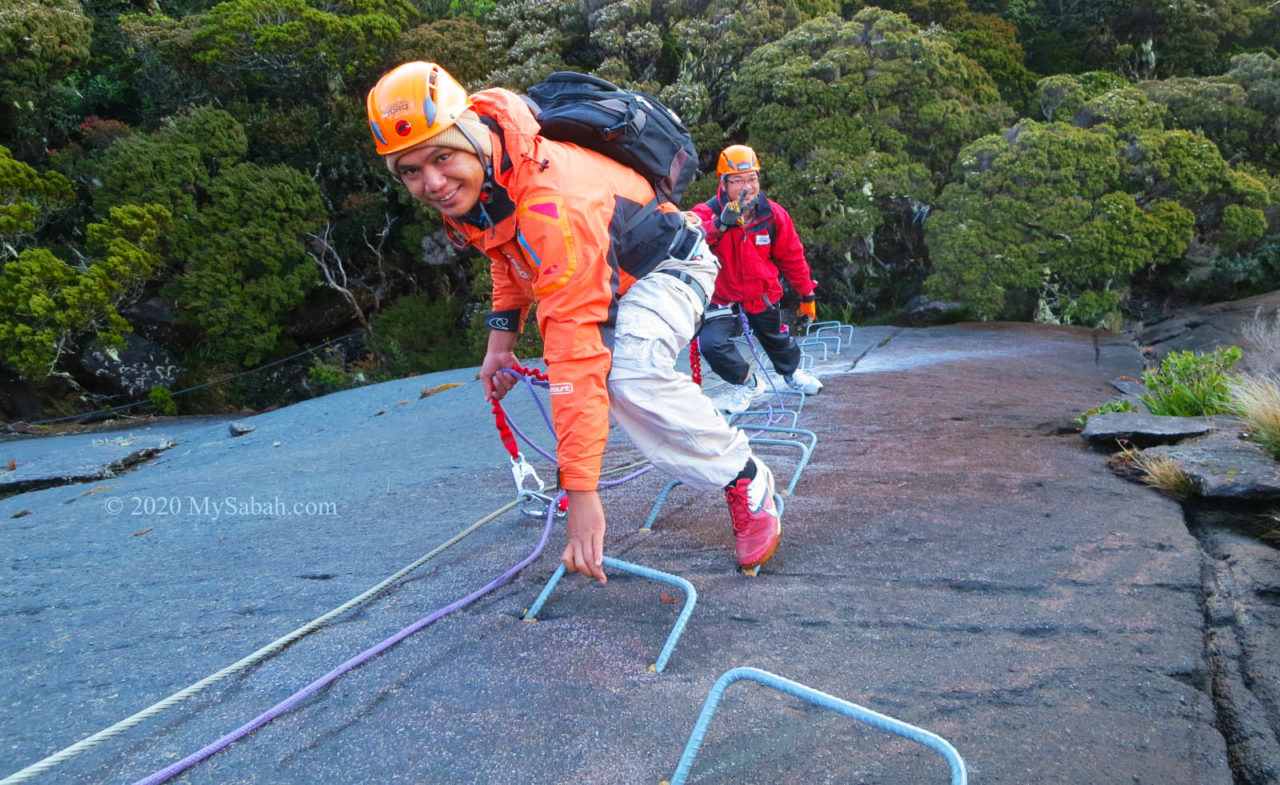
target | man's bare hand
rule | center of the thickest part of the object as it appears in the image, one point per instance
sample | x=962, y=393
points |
x=585, y=552
x=497, y=382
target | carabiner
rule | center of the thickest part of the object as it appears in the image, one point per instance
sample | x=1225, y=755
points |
x=521, y=471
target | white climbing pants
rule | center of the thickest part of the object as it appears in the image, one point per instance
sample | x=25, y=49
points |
x=666, y=415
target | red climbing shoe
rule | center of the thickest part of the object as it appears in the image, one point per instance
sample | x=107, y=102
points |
x=757, y=527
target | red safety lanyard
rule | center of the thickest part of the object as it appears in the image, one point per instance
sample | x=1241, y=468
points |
x=695, y=362
x=500, y=416
x=520, y=468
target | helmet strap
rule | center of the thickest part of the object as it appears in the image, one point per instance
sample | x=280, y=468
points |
x=486, y=190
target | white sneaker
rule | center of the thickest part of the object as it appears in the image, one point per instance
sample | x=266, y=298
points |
x=743, y=395
x=804, y=381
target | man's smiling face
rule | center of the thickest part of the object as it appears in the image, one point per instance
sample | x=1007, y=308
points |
x=444, y=178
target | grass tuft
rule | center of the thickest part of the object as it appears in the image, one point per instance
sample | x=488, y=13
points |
x=1257, y=401
x=1263, y=335
x=1163, y=473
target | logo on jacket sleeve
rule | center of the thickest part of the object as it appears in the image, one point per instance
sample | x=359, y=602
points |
x=546, y=238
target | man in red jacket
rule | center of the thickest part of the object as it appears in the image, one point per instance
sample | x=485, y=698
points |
x=619, y=280
x=755, y=239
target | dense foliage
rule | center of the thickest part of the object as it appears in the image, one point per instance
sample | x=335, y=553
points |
x=1188, y=384
x=199, y=172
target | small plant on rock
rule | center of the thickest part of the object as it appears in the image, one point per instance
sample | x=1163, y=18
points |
x=1110, y=407
x=162, y=399
x=1162, y=473
x=1191, y=384
x=328, y=372
x=1257, y=401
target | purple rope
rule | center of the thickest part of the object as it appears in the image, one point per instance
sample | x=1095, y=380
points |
x=356, y=661
x=546, y=417
x=524, y=437
x=628, y=478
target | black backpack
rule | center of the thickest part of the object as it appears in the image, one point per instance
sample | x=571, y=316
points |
x=632, y=128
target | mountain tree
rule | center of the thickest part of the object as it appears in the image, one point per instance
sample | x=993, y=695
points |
x=457, y=44
x=984, y=37
x=28, y=201
x=48, y=304
x=1059, y=97
x=259, y=50
x=1052, y=221
x=711, y=42
x=529, y=39
x=858, y=122
x=42, y=43
x=250, y=268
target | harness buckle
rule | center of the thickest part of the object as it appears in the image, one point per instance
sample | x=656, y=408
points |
x=718, y=312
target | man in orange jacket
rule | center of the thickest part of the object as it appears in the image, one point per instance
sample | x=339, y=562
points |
x=755, y=239
x=620, y=281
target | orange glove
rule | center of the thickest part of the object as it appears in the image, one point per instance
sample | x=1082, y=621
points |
x=808, y=309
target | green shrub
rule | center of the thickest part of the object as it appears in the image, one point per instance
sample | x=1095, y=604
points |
x=1191, y=384
x=1243, y=224
x=420, y=334
x=162, y=400
x=1235, y=277
x=328, y=373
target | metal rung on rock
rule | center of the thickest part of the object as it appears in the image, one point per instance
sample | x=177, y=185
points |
x=959, y=775
x=771, y=416
x=657, y=505
x=806, y=450
x=808, y=343
x=817, y=328
x=690, y=600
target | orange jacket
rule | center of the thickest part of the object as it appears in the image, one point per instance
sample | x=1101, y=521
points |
x=570, y=230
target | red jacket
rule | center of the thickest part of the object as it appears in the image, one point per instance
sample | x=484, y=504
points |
x=571, y=230
x=751, y=256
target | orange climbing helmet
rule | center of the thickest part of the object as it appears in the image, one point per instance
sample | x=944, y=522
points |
x=736, y=159
x=411, y=103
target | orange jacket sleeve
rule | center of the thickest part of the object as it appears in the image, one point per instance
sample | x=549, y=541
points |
x=512, y=295
x=566, y=236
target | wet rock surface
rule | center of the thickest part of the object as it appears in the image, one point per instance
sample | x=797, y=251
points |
x=955, y=555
